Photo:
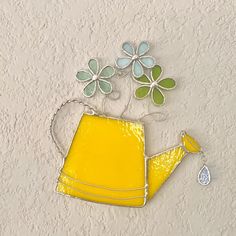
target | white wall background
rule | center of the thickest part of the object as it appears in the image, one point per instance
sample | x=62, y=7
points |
x=42, y=46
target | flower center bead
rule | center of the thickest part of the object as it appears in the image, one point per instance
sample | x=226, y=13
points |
x=95, y=77
x=134, y=57
x=153, y=84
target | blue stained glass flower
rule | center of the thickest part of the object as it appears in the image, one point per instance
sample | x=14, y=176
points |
x=136, y=57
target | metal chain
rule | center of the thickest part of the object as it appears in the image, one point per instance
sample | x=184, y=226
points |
x=52, y=123
x=203, y=157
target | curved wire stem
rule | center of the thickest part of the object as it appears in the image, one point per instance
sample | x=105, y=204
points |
x=119, y=73
x=129, y=102
x=163, y=116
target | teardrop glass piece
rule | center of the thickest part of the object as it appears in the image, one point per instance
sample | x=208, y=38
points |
x=204, y=176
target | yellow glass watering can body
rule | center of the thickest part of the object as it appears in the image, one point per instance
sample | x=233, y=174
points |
x=106, y=163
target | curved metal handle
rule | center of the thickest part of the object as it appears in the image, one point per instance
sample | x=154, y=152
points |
x=55, y=140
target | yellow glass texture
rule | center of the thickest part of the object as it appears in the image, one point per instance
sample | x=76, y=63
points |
x=160, y=168
x=106, y=162
x=190, y=144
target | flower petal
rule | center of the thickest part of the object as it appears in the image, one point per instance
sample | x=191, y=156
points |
x=147, y=61
x=104, y=86
x=157, y=97
x=107, y=72
x=167, y=84
x=93, y=66
x=137, y=69
x=90, y=89
x=156, y=72
x=143, y=79
x=128, y=48
x=142, y=92
x=122, y=63
x=83, y=76
x=143, y=48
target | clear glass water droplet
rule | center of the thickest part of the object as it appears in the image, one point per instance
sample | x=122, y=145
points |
x=204, y=176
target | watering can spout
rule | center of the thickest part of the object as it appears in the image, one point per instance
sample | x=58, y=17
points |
x=161, y=166
x=189, y=143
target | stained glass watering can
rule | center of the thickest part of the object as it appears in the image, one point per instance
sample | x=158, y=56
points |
x=106, y=162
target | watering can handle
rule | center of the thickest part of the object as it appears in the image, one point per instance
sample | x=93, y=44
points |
x=55, y=140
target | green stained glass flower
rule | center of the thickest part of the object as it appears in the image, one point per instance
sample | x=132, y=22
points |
x=154, y=85
x=96, y=78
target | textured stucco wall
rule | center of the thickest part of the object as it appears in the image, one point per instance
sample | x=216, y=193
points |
x=43, y=44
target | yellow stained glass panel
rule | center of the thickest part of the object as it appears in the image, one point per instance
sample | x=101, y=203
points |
x=106, y=162
x=161, y=166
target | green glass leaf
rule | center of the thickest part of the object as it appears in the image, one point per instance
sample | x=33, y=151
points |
x=143, y=79
x=107, y=72
x=156, y=72
x=90, y=89
x=142, y=92
x=105, y=86
x=83, y=76
x=167, y=84
x=157, y=97
x=93, y=66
